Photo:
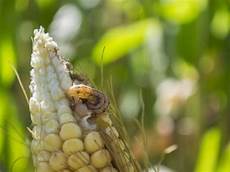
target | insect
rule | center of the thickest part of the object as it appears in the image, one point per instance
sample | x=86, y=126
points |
x=95, y=100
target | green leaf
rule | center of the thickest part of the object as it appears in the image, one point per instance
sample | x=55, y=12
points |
x=121, y=40
x=181, y=11
x=7, y=59
x=209, y=150
x=13, y=144
x=224, y=165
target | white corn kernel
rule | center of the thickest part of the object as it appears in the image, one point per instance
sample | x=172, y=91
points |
x=43, y=156
x=34, y=105
x=66, y=118
x=51, y=126
x=37, y=146
x=63, y=106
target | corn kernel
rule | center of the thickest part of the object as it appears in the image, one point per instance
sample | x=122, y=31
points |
x=88, y=168
x=93, y=142
x=78, y=160
x=58, y=161
x=52, y=142
x=34, y=105
x=72, y=146
x=43, y=156
x=107, y=119
x=70, y=130
x=66, y=118
x=108, y=169
x=36, y=146
x=62, y=106
x=100, y=158
x=51, y=126
x=44, y=167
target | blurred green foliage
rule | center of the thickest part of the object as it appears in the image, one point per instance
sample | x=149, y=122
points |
x=175, y=52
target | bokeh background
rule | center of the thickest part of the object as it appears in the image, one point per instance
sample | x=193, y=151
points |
x=168, y=62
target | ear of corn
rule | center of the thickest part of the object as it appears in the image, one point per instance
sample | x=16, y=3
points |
x=63, y=138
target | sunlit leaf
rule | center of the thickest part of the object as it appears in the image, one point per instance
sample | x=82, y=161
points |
x=209, y=150
x=12, y=138
x=185, y=70
x=2, y=118
x=224, y=165
x=181, y=11
x=120, y=41
x=19, y=148
x=221, y=23
x=7, y=59
x=45, y=3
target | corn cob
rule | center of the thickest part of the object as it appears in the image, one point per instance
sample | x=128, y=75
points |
x=72, y=131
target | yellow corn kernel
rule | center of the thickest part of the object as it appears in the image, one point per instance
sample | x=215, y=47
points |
x=88, y=168
x=44, y=167
x=52, y=142
x=72, y=146
x=93, y=142
x=78, y=160
x=58, y=161
x=101, y=158
x=108, y=169
x=69, y=131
